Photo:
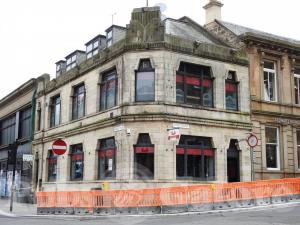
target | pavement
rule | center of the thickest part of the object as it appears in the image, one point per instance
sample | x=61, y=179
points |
x=287, y=214
x=280, y=214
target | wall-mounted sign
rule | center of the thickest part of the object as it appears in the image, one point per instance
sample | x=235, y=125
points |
x=181, y=125
x=119, y=128
x=174, y=135
x=27, y=158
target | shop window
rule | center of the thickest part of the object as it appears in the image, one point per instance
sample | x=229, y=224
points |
x=270, y=81
x=194, y=85
x=195, y=158
x=107, y=158
x=7, y=131
x=77, y=162
x=231, y=91
x=55, y=111
x=78, y=103
x=25, y=123
x=52, y=166
x=144, y=157
x=144, y=82
x=298, y=148
x=108, y=90
x=297, y=86
x=272, y=148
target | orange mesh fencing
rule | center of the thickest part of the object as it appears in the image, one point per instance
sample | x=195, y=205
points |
x=172, y=196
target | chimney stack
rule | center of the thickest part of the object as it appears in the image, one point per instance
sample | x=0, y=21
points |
x=213, y=11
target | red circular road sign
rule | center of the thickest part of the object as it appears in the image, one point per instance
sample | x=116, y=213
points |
x=59, y=147
x=252, y=140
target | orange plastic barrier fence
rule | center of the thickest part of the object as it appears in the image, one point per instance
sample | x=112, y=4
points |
x=172, y=196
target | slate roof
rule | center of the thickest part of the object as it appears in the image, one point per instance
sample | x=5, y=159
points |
x=185, y=30
x=241, y=30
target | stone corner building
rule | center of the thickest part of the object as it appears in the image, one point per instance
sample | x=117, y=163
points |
x=115, y=103
x=274, y=66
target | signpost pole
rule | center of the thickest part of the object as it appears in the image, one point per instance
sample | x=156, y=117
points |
x=252, y=166
x=13, y=152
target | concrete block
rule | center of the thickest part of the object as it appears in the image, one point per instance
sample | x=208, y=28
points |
x=126, y=211
x=64, y=211
x=200, y=207
x=174, y=209
x=45, y=211
x=279, y=199
x=149, y=210
x=104, y=211
x=83, y=211
x=262, y=201
x=223, y=205
x=291, y=198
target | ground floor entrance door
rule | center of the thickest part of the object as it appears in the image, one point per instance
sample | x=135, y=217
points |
x=233, y=162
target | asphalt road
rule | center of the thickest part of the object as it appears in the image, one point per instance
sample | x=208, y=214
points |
x=279, y=215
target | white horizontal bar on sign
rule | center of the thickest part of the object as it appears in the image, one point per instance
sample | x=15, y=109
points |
x=181, y=125
x=59, y=147
x=119, y=128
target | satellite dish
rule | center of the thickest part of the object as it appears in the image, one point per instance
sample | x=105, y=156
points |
x=162, y=6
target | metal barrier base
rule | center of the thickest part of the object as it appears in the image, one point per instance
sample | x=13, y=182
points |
x=126, y=211
x=174, y=209
x=149, y=210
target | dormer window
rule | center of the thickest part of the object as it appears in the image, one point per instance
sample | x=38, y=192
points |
x=109, y=38
x=92, y=49
x=58, y=68
x=71, y=62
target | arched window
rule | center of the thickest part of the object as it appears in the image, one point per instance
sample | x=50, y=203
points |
x=194, y=85
x=144, y=157
x=144, y=82
x=231, y=91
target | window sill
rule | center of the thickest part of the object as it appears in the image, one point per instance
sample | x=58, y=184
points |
x=273, y=169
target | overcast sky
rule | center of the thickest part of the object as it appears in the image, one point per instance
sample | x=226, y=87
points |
x=34, y=34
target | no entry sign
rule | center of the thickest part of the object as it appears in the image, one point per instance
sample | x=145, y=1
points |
x=59, y=147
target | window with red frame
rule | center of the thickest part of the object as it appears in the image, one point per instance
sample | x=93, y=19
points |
x=144, y=157
x=52, y=166
x=107, y=158
x=231, y=91
x=194, y=85
x=77, y=162
x=195, y=158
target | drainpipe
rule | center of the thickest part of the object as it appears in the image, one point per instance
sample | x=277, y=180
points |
x=33, y=107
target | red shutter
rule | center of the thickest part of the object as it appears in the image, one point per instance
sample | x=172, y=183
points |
x=179, y=79
x=77, y=157
x=180, y=151
x=230, y=87
x=144, y=150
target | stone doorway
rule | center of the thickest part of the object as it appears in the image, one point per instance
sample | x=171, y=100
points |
x=233, y=162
